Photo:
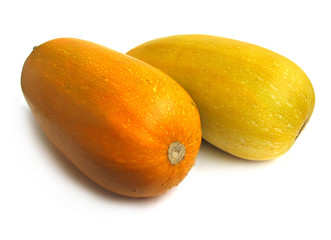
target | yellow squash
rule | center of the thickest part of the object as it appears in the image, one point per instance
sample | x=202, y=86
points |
x=253, y=102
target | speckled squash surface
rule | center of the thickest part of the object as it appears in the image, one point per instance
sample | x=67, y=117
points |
x=126, y=125
x=253, y=102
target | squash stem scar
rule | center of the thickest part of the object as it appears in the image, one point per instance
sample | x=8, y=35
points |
x=303, y=126
x=176, y=152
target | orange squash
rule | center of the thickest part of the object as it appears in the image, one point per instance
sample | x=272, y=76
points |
x=126, y=125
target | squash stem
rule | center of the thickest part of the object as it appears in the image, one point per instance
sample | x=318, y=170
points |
x=176, y=152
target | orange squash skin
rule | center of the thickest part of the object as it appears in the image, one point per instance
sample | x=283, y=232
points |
x=113, y=116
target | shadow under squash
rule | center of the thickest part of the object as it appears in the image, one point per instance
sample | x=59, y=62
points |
x=211, y=156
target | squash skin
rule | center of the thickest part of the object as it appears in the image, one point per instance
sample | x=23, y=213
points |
x=253, y=102
x=111, y=115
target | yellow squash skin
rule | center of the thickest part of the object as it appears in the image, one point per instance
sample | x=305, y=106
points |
x=120, y=121
x=253, y=102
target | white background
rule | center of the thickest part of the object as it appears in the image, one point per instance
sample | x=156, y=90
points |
x=42, y=196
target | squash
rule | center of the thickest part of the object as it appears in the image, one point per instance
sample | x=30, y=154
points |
x=126, y=125
x=253, y=102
